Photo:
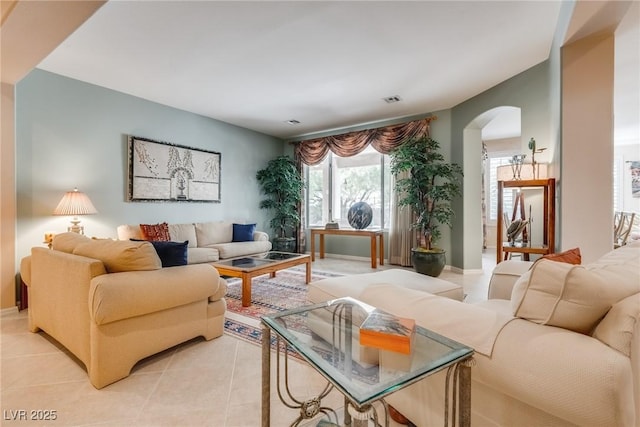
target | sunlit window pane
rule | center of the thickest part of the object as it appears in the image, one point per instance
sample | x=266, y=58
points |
x=318, y=192
x=507, y=206
x=339, y=182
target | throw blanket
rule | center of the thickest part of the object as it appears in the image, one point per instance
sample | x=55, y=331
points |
x=473, y=326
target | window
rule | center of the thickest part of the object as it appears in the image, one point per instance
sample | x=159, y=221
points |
x=338, y=182
x=507, y=206
x=617, y=183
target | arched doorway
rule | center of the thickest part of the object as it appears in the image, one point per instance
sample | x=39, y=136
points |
x=493, y=137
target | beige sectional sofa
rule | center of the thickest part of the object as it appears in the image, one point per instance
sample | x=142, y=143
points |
x=208, y=241
x=563, y=350
x=111, y=303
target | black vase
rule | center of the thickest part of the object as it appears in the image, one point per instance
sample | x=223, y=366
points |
x=430, y=262
x=284, y=244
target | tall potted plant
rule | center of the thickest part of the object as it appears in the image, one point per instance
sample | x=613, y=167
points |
x=281, y=182
x=428, y=191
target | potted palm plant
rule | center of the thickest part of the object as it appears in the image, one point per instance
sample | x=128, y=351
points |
x=281, y=182
x=428, y=188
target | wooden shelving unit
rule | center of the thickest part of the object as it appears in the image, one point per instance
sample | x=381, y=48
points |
x=503, y=249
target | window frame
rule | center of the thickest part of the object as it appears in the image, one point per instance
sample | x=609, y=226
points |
x=330, y=193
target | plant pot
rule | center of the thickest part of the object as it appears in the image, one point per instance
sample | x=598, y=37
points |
x=429, y=262
x=284, y=244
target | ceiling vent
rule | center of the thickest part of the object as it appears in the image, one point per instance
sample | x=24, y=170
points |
x=293, y=122
x=392, y=99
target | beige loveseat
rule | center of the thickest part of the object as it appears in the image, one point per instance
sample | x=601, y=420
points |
x=563, y=351
x=208, y=241
x=111, y=304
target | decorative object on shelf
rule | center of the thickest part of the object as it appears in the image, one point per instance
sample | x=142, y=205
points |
x=282, y=185
x=546, y=209
x=534, y=165
x=515, y=229
x=360, y=215
x=160, y=171
x=75, y=203
x=332, y=226
x=516, y=165
x=505, y=172
x=428, y=190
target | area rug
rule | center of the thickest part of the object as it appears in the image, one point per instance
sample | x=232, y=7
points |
x=271, y=295
x=268, y=295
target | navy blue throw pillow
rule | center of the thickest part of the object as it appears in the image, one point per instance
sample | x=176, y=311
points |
x=243, y=232
x=170, y=253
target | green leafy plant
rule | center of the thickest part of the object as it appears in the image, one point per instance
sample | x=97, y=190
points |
x=281, y=182
x=429, y=188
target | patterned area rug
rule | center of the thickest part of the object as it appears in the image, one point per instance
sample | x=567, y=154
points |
x=286, y=290
x=268, y=295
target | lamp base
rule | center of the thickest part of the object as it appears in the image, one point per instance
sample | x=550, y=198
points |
x=75, y=228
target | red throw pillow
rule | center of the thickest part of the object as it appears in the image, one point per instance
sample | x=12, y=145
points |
x=571, y=256
x=156, y=232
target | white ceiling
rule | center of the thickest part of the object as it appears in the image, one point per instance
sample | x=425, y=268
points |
x=326, y=64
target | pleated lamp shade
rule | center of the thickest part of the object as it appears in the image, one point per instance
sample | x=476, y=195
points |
x=75, y=203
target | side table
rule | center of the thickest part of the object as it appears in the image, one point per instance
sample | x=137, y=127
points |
x=336, y=360
x=376, y=236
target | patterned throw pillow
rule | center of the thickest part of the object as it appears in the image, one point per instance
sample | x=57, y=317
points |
x=572, y=256
x=156, y=232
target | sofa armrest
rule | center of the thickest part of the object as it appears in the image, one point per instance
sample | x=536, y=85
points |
x=260, y=236
x=504, y=276
x=58, y=295
x=25, y=270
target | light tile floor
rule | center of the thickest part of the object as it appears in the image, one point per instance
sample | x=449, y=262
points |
x=199, y=383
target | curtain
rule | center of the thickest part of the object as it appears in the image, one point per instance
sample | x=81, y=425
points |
x=401, y=235
x=300, y=235
x=383, y=139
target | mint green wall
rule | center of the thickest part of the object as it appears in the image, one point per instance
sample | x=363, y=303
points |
x=531, y=92
x=70, y=133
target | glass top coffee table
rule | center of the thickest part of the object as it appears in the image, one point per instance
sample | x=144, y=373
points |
x=248, y=267
x=326, y=336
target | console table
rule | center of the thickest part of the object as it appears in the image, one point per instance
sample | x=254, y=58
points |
x=376, y=236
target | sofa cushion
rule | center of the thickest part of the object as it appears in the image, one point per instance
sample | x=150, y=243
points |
x=243, y=232
x=121, y=255
x=616, y=329
x=236, y=249
x=210, y=233
x=200, y=255
x=560, y=294
x=67, y=242
x=182, y=232
x=129, y=294
x=155, y=232
x=171, y=253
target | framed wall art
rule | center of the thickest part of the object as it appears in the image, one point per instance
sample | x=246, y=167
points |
x=160, y=171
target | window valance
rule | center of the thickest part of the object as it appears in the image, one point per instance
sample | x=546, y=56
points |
x=383, y=139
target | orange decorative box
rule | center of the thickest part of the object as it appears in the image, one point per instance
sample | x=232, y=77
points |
x=387, y=331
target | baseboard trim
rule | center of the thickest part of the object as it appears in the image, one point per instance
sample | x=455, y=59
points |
x=367, y=259
x=8, y=311
x=466, y=271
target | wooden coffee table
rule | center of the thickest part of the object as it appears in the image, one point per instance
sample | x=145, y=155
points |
x=249, y=267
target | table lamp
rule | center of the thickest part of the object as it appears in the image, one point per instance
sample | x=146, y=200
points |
x=75, y=203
